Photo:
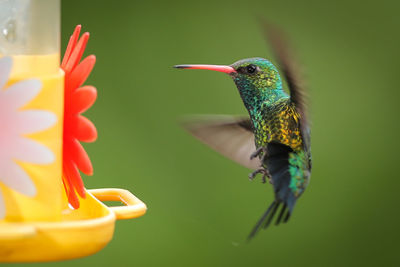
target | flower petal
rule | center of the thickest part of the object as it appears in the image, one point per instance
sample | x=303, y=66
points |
x=84, y=130
x=71, y=45
x=80, y=157
x=79, y=75
x=31, y=121
x=72, y=174
x=20, y=93
x=15, y=177
x=5, y=69
x=83, y=98
x=72, y=198
x=2, y=207
x=77, y=53
x=30, y=151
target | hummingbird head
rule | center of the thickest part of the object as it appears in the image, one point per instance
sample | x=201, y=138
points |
x=257, y=80
x=257, y=73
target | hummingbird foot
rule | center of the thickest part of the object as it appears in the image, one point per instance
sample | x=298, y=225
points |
x=265, y=173
x=258, y=152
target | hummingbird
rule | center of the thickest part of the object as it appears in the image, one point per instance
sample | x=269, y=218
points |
x=274, y=139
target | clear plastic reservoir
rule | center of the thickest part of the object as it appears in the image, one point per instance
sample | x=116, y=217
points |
x=30, y=33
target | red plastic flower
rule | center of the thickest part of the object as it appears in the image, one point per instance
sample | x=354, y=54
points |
x=76, y=127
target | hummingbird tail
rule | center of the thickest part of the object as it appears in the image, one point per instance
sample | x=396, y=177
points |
x=278, y=164
x=267, y=217
x=262, y=220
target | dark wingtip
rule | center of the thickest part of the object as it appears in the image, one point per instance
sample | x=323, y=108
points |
x=181, y=66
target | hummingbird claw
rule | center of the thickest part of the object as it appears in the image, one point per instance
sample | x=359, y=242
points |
x=268, y=175
x=258, y=152
x=263, y=180
x=254, y=174
x=265, y=173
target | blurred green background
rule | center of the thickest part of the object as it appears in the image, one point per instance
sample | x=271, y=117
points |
x=201, y=206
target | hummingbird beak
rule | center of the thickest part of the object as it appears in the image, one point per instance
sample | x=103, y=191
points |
x=220, y=68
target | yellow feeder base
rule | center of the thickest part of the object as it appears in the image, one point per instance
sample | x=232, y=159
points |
x=80, y=233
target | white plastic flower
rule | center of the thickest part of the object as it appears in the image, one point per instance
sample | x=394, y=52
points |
x=15, y=124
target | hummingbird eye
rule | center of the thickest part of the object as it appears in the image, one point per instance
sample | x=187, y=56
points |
x=251, y=69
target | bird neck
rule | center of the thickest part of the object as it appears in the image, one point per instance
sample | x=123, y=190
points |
x=255, y=98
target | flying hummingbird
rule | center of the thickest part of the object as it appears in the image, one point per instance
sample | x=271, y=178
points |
x=274, y=140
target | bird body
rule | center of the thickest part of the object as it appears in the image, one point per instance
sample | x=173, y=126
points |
x=277, y=133
x=276, y=127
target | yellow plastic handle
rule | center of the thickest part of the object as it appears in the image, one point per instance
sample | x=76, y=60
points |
x=134, y=207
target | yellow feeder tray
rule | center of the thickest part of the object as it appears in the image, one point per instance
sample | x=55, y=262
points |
x=80, y=232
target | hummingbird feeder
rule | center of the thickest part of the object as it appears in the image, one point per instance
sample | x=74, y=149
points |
x=46, y=214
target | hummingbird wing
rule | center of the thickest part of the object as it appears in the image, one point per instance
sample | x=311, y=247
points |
x=291, y=71
x=231, y=136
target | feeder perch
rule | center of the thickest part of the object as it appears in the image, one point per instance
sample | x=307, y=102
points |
x=45, y=212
